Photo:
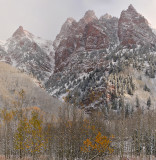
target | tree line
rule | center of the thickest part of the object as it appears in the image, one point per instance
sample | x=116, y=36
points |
x=30, y=133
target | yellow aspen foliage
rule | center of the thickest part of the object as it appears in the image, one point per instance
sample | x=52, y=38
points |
x=69, y=124
x=29, y=135
x=48, y=133
x=94, y=95
x=6, y=115
x=20, y=96
x=21, y=135
x=35, y=108
x=35, y=140
x=100, y=144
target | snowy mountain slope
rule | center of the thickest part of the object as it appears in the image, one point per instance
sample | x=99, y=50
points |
x=87, y=34
x=154, y=30
x=29, y=53
x=85, y=64
x=12, y=81
x=91, y=33
x=90, y=56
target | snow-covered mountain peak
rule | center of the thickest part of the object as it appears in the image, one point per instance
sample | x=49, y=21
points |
x=106, y=16
x=29, y=53
x=89, y=16
x=134, y=29
x=131, y=12
x=70, y=20
x=65, y=29
x=131, y=8
x=20, y=32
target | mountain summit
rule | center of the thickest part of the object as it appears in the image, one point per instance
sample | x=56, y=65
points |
x=19, y=32
x=29, y=53
x=91, y=33
x=131, y=8
x=133, y=29
x=89, y=16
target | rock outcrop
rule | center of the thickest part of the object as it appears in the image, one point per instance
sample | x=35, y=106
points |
x=134, y=29
x=89, y=33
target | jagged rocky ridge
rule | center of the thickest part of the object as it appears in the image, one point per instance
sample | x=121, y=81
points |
x=91, y=33
x=93, y=55
x=29, y=53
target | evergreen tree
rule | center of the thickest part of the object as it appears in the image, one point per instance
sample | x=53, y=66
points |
x=127, y=111
x=149, y=102
x=146, y=88
x=137, y=102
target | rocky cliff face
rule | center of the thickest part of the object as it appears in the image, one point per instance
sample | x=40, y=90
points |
x=89, y=33
x=29, y=53
x=36, y=56
x=134, y=29
x=91, y=53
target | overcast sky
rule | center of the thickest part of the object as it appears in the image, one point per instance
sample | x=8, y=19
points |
x=44, y=18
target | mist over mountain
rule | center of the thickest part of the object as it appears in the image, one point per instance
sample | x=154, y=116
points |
x=90, y=57
x=87, y=62
x=89, y=94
